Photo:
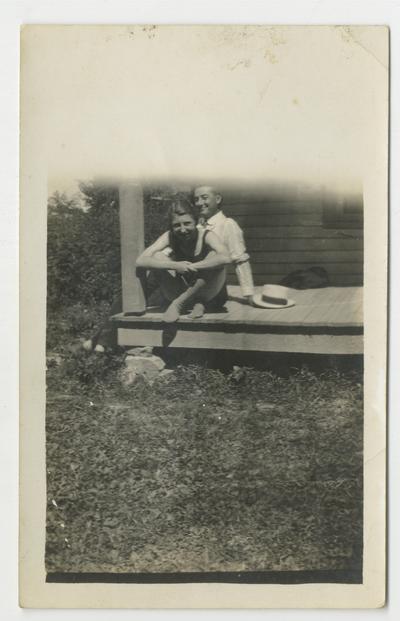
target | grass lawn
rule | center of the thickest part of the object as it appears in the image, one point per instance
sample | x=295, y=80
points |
x=202, y=471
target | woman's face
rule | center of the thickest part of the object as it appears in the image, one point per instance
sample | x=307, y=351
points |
x=183, y=226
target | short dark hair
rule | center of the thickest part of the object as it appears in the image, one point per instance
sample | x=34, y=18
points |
x=179, y=207
x=213, y=188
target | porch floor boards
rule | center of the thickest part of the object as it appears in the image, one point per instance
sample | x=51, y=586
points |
x=330, y=307
x=323, y=321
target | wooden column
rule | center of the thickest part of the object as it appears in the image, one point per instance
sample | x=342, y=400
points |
x=132, y=245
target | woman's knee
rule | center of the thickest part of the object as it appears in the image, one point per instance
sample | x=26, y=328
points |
x=213, y=273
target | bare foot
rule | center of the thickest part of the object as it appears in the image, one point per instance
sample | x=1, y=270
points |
x=172, y=313
x=197, y=311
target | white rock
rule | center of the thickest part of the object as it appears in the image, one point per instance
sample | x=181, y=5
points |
x=128, y=377
x=148, y=366
x=166, y=372
x=144, y=363
x=140, y=351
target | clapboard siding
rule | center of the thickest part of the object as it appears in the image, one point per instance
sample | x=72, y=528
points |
x=335, y=280
x=285, y=232
x=298, y=232
x=336, y=256
x=262, y=207
x=270, y=220
x=303, y=244
x=277, y=268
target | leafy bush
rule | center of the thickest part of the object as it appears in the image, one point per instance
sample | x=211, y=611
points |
x=68, y=323
x=83, y=242
x=83, y=248
x=79, y=319
x=90, y=369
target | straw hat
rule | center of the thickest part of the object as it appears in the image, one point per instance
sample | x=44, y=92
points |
x=273, y=296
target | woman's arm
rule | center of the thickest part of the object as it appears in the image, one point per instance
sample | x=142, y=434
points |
x=153, y=258
x=148, y=259
x=218, y=255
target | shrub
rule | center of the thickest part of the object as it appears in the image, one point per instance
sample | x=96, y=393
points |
x=91, y=369
x=83, y=242
x=68, y=323
x=83, y=248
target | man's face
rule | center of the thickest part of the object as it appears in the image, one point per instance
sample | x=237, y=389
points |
x=207, y=200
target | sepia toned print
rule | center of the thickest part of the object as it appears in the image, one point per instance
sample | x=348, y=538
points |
x=206, y=418
x=231, y=425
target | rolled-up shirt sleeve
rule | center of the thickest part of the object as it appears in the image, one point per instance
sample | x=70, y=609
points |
x=234, y=241
x=245, y=277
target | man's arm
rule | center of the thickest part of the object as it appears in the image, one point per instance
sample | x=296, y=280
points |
x=234, y=240
x=153, y=257
x=245, y=278
x=217, y=256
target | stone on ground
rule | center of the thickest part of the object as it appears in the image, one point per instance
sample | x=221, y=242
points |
x=147, y=350
x=146, y=365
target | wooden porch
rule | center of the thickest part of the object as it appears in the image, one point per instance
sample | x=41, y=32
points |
x=283, y=232
x=323, y=321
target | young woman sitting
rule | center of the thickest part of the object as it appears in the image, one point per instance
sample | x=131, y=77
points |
x=188, y=263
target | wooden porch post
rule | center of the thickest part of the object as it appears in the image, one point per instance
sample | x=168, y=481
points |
x=132, y=244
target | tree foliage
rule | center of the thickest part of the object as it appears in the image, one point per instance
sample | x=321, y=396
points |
x=83, y=250
x=83, y=241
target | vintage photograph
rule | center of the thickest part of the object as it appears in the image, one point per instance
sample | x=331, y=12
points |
x=208, y=229
x=205, y=375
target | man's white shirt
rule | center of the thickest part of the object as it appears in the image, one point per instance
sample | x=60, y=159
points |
x=231, y=235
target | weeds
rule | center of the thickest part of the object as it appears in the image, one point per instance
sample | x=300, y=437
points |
x=202, y=471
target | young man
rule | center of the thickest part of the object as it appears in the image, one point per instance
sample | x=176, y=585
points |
x=209, y=203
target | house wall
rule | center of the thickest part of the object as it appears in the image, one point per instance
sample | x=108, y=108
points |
x=287, y=231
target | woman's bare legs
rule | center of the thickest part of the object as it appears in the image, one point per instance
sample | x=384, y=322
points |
x=205, y=288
